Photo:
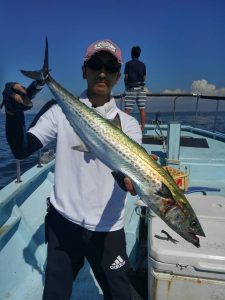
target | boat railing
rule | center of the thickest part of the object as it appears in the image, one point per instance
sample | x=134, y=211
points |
x=176, y=96
x=18, y=170
x=180, y=96
x=42, y=158
x=198, y=97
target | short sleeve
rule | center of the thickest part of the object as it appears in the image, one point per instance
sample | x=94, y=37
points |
x=46, y=127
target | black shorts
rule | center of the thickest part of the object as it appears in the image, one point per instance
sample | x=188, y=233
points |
x=69, y=244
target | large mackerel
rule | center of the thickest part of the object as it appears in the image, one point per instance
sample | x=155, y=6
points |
x=121, y=154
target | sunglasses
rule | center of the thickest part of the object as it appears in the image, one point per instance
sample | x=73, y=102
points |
x=97, y=65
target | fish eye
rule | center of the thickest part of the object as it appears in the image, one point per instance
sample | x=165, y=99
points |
x=194, y=223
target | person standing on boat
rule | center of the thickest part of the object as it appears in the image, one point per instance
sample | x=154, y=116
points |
x=135, y=76
x=86, y=210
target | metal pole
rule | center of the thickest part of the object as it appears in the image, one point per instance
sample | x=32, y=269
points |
x=196, y=111
x=174, y=107
x=18, y=179
x=39, y=159
x=215, y=119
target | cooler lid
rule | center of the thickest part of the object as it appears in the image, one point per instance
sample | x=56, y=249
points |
x=211, y=254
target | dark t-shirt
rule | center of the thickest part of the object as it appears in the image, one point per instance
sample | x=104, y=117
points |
x=136, y=71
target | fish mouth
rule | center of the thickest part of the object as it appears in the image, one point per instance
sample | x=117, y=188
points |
x=201, y=232
x=194, y=239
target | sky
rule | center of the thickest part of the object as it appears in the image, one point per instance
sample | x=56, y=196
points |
x=182, y=42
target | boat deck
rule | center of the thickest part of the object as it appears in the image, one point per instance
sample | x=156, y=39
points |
x=201, y=156
x=23, y=208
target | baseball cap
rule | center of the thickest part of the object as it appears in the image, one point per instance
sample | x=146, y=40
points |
x=103, y=45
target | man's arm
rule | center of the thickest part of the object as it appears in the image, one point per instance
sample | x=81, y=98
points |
x=16, y=100
x=126, y=75
x=22, y=144
x=144, y=74
x=126, y=79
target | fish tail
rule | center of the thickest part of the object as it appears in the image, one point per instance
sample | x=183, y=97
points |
x=42, y=74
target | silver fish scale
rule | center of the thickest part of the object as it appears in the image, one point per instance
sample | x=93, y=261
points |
x=112, y=147
x=118, y=151
x=109, y=144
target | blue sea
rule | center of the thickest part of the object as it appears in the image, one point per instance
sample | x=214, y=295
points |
x=8, y=162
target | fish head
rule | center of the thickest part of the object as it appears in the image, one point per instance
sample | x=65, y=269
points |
x=173, y=207
x=183, y=220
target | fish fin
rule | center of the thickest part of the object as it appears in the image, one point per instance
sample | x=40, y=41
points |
x=116, y=121
x=164, y=192
x=44, y=72
x=119, y=178
x=81, y=148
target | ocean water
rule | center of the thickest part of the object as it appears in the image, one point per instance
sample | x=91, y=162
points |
x=8, y=162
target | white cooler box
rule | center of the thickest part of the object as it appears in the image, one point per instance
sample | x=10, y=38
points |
x=181, y=271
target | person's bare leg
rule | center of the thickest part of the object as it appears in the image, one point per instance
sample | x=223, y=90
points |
x=143, y=118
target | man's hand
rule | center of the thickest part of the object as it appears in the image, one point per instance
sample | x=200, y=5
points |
x=155, y=157
x=15, y=98
x=129, y=186
x=125, y=182
x=128, y=182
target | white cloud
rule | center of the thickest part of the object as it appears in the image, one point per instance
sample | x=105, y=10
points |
x=203, y=87
x=176, y=91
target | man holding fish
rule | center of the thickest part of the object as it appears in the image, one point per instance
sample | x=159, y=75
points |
x=96, y=142
x=85, y=216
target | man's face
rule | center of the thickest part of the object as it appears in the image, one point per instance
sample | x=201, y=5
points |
x=102, y=72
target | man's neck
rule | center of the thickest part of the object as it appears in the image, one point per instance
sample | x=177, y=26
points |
x=98, y=100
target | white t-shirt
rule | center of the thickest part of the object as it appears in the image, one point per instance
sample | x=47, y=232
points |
x=84, y=190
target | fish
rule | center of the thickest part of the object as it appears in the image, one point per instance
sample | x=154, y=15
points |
x=154, y=185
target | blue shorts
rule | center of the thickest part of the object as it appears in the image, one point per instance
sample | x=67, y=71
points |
x=135, y=95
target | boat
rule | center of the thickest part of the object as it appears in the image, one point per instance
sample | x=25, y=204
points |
x=163, y=265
